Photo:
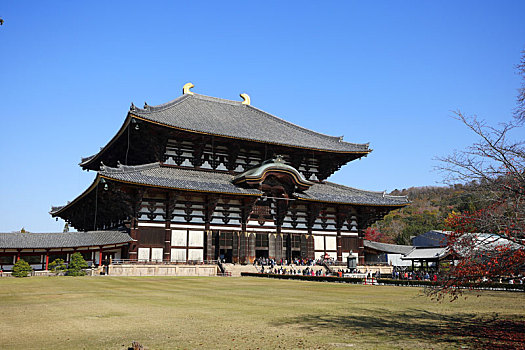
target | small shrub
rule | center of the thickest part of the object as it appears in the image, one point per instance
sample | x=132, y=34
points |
x=58, y=266
x=21, y=269
x=77, y=264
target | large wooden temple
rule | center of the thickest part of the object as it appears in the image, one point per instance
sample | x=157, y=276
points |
x=201, y=178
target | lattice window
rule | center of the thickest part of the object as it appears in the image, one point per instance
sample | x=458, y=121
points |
x=226, y=239
x=261, y=240
x=261, y=210
x=296, y=241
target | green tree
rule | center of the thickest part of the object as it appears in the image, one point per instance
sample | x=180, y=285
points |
x=57, y=266
x=77, y=264
x=21, y=269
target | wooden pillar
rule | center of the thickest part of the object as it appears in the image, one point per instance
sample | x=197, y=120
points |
x=311, y=248
x=361, y=246
x=272, y=246
x=47, y=259
x=251, y=248
x=243, y=245
x=288, y=241
x=167, y=234
x=209, y=245
x=133, y=247
x=135, y=202
x=210, y=205
x=100, y=257
x=279, y=247
x=235, y=247
x=18, y=255
x=304, y=246
x=248, y=249
x=339, y=243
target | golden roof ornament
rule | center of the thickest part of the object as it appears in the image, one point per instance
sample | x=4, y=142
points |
x=186, y=89
x=246, y=99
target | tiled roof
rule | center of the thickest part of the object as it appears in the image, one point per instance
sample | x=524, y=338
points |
x=62, y=240
x=184, y=179
x=187, y=179
x=388, y=248
x=426, y=253
x=331, y=192
x=228, y=118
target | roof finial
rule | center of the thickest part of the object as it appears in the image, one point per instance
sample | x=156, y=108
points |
x=246, y=99
x=132, y=107
x=186, y=89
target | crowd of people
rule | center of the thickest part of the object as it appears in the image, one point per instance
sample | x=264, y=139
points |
x=293, y=262
x=305, y=267
x=418, y=275
x=284, y=262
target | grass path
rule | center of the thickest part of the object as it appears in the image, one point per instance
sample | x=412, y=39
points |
x=245, y=313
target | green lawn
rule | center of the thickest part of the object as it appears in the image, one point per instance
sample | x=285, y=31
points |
x=245, y=313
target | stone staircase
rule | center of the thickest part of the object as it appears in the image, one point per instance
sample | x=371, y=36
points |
x=236, y=269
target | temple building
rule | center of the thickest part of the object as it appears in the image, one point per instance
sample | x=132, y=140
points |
x=201, y=178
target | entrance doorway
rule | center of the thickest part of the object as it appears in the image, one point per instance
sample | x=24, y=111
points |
x=261, y=245
x=261, y=253
x=223, y=243
x=226, y=255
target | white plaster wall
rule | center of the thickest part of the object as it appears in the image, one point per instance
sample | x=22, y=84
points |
x=143, y=254
x=179, y=238
x=196, y=239
x=395, y=260
x=318, y=242
x=195, y=254
x=331, y=243
x=156, y=254
x=178, y=254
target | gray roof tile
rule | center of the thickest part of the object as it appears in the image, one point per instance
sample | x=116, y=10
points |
x=221, y=117
x=426, y=253
x=206, y=181
x=19, y=240
x=185, y=179
x=331, y=192
x=388, y=248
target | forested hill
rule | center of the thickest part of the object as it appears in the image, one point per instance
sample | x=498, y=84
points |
x=429, y=208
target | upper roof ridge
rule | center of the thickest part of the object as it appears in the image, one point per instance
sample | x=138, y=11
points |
x=150, y=108
x=121, y=168
x=169, y=104
x=218, y=99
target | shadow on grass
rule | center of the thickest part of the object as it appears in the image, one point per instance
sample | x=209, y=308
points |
x=423, y=326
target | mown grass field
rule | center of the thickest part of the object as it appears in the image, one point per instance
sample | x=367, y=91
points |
x=246, y=313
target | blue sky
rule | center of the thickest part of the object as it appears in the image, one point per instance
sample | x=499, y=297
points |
x=384, y=72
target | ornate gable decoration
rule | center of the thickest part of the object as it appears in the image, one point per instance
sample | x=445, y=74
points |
x=270, y=170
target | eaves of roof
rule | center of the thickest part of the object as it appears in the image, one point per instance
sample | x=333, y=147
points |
x=19, y=240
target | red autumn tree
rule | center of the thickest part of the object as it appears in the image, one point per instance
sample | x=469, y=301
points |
x=375, y=235
x=487, y=244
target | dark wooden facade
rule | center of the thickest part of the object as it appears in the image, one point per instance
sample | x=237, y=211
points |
x=180, y=196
